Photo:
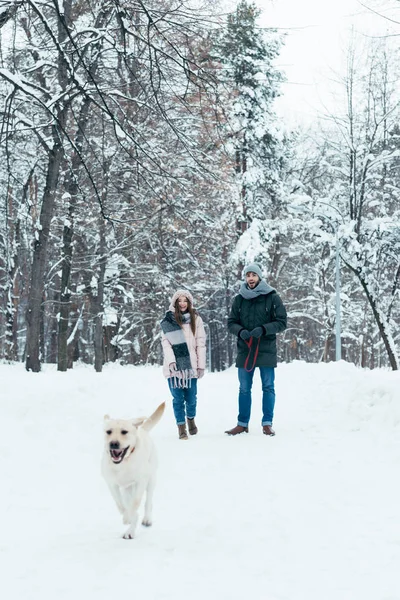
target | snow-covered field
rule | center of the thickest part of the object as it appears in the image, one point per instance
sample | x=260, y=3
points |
x=312, y=514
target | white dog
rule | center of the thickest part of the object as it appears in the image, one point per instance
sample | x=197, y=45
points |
x=129, y=466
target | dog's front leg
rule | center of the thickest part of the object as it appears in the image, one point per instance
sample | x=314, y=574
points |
x=116, y=494
x=148, y=507
x=132, y=497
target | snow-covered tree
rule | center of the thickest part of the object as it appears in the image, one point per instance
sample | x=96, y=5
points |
x=353, y=197
x=253, y=135
x=79, y=71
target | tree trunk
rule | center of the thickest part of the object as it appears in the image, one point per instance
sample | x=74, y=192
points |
x=379, y=319
x=228, y=304
x=36, y=288
x=110, y=350
x=98, y=333
x=68, y=232
x=55, y=154
x=65, y=295
x=72, y=189
x=328, y=347
x=98, y=304
x=393, y=358
x=11, y=345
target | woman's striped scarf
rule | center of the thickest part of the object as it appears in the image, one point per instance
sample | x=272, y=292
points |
x=174, y=333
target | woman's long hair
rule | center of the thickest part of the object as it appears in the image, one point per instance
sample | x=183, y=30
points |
x=191, y=311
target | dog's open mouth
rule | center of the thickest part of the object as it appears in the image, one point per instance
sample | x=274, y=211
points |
x=117, y=456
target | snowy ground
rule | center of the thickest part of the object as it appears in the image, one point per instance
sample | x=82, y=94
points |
x=312, y=514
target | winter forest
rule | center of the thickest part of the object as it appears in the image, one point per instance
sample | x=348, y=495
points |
x=141, y=151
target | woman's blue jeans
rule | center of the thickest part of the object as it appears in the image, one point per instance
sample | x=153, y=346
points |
x=184, y=401
x=268, y=398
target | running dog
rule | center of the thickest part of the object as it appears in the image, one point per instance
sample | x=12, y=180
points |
x=129, y=466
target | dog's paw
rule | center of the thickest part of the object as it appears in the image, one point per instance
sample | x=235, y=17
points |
x=147, y=522
x=129, y=534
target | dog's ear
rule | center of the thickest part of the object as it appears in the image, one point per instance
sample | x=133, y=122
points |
x=138, y=421
x=106, y=417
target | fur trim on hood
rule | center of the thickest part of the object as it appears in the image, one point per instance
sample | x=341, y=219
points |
x=175, y=297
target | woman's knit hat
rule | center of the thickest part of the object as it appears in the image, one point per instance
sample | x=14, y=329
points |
x=175, y=297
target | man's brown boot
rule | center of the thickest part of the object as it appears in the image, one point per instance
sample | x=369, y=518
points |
x=267, y=429
x=238, y=429
x=192, y=426
x=182, y=432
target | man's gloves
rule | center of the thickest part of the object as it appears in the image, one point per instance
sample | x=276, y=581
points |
x=200, y=373
x=257, y=332
x=245, y=334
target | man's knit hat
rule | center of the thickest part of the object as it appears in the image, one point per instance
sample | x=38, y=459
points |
x=253, y=268
x=175, y=297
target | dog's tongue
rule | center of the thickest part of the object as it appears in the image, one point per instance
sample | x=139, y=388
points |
x=116, y=454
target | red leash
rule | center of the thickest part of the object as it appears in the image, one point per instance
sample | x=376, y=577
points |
x=249, y=345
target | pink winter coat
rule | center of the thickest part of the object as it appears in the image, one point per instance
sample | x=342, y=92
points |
x=196, y=345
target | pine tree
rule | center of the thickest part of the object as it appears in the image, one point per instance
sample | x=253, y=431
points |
x=252, y=134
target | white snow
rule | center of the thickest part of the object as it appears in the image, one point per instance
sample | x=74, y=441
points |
x=312, y=514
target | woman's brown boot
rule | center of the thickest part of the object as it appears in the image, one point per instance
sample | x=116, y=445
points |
x=192, y=426
x=182, y=432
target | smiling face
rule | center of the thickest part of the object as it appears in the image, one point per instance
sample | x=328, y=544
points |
x=120, y=437
x=183, y=303
x=252, y=279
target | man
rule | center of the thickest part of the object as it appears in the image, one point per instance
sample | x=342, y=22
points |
x=257, y=315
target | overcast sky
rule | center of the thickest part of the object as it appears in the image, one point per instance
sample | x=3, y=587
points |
x=315, y=47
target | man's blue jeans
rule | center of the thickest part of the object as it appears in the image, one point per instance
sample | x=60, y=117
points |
x=268, y=399
x=184, y=401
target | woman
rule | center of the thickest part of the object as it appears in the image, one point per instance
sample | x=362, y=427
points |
x=184, y=347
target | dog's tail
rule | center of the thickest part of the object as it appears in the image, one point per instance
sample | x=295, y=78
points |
x=154, y=418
